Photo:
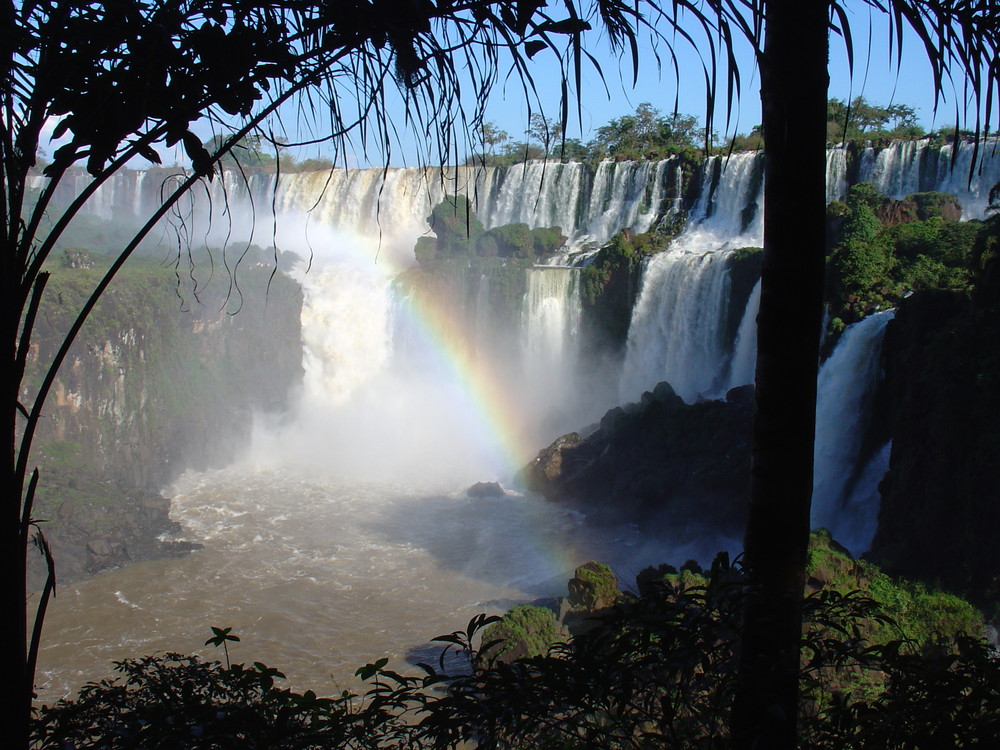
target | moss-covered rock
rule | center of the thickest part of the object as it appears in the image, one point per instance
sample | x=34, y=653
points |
x=426, y=251
x=513, y=240
x=609, y=286
x=920, y=207
x=523, y=632
x=459, y=232
x=916, y=613
x=593, y=586
x=456, y=225
x=546, y=240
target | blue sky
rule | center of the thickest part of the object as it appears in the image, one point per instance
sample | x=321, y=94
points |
x=874, y=77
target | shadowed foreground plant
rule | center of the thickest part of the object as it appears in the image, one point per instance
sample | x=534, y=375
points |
x=654, y=671
x=178, y=701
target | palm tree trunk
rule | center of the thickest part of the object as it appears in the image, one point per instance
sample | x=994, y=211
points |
x=794, y=81
x=16, y=697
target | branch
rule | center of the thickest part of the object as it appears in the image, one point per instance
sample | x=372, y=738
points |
x=43, y=602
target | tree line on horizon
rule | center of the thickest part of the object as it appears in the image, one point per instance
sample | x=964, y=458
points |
x=649, y=133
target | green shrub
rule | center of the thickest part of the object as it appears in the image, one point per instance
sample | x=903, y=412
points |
x=487, y=246
x=523, y=632
x=426, y=251
x=513, y=240
x=176, y=701
x=547, y=240
x=593, y=585
x=874, y=265
x=915, y=614
x=456, y=225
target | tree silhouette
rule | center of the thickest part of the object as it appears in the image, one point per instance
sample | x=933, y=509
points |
x=791, y=40
x=124, y=78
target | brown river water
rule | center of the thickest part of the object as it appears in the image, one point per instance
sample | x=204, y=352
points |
x=318, y=578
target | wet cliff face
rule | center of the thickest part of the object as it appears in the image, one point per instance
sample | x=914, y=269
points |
x=939, y=511
x=158, y=381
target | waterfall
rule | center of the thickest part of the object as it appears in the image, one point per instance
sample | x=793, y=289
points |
x=550, y=336
x=393, y=204
x=896, y=172
x=626, y=198
x=420, y=382
x=536, y=193
x=676, y=330
x=345, y=330
x=360, y=227
x=728, y=207
x=836, y=174
x=905, y=167
x=590, y=206
x=845, y=495
x=744, y=362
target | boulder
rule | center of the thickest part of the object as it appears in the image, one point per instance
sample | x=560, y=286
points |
x=669, y=465
x=545, y=473
x=523, y=632
x=594, y=586
x=485, y=489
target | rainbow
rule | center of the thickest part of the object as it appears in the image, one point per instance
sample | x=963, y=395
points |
x=501, y=415
x=491, y=402
x=494, y=408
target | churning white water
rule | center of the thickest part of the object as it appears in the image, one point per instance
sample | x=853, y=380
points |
x=677, y=329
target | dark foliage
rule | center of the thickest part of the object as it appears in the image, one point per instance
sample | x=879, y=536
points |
x=655, y=670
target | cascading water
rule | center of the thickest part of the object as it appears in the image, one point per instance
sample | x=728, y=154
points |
x=677, y=329
x=845, y=495
x=345, y=535
x=551, y=325
x=744, y=362
x=906, y=167
x=836, y=174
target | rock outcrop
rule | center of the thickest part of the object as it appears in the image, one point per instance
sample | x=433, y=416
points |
x=485, y=489
x=665, y=463
x=157, y=382
x=939, y=511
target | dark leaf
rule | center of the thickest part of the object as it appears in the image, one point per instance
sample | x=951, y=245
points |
x=533, y=47
x=150, y=154
x=565, y=26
